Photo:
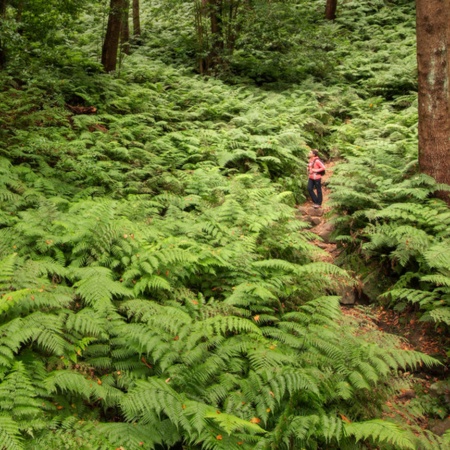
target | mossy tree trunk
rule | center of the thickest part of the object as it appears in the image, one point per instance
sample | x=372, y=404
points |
x=433, y=58
x=3, y=4
x=125, y=30
x=215, y=13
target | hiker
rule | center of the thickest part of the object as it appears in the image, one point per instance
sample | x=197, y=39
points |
x=316, y=169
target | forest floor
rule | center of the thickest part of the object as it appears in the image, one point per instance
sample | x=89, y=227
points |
x=414, y=334
x=422, y=336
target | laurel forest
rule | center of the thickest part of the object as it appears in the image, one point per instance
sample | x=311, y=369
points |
x=158, y=289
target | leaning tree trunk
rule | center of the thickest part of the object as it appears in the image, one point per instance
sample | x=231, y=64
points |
x=433, y=58
x=330, y=10
x=3, y=4
x=112, y=37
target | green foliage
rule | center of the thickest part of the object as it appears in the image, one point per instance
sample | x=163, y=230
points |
x=157, y=289
x=381, y=431
x=264, y=374
x=376, y=64
x=384, y=206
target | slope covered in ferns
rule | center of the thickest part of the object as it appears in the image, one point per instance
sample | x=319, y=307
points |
x=158, y=290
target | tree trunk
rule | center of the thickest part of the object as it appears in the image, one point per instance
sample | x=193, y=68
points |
x=330, y=10
x=216, y=12
x=233, y=28
x=433, y=59
x=125, y=30
x=3, y=4
x=112, y=37
x=211, y=43
x=19, y=10
x=136, y=20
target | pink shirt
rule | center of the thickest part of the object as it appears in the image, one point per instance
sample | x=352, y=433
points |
x=314, y=165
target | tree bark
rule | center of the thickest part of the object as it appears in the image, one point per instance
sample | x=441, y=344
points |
x=216, y=31
x=136, y=20
x=125, y=29
x=330, y=9
x=112, y=37
x=3, y=4
x=433, y=59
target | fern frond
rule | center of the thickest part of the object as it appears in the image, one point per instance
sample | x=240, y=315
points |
x=132, y=435
x=155, y=396
x=380, y=432
x=97, y=283
x=9, y=434
x=17, y=394
x=230, y=423
x=7, y=266
x=438, y=315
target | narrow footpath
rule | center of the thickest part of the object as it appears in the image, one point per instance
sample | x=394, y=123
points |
x=414, y=334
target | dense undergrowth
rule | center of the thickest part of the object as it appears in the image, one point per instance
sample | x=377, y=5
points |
x=157, y=288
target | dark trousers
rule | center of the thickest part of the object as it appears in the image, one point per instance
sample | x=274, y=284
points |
x=315, y=185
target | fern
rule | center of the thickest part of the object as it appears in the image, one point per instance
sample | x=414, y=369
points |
x=380, y=431
x=97, y=284
x=9, y=434
x=162, y=290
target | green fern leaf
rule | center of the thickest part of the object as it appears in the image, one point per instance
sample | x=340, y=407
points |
x=97, y=283
x=230, y=423
x=7, y=266
x=131, y=435
x=380, y=432
x=9, y=434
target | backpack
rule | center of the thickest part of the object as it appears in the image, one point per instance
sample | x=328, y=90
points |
x=321, y=172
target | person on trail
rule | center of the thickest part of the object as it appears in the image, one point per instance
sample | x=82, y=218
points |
x=315, y=170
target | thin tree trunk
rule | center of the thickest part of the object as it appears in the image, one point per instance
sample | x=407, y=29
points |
x=202, y=8
x=216, y=31
x=136, y=20
x=216, y=28
x=233, y=28
x=3, y=4
x=200, y=34
x=125, y=30
x=19, y=10
x=433, y=58
x=330, y=9
x=112, y=37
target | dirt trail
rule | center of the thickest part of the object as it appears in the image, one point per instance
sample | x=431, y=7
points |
x=422, y=336
x=415, y=334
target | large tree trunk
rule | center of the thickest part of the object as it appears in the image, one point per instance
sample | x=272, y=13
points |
x=136, y=20
x=433, y=58
x=112, y=37
x=3, y=4
x=330, y=10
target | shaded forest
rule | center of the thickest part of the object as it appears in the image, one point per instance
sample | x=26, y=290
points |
x=159, y=289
